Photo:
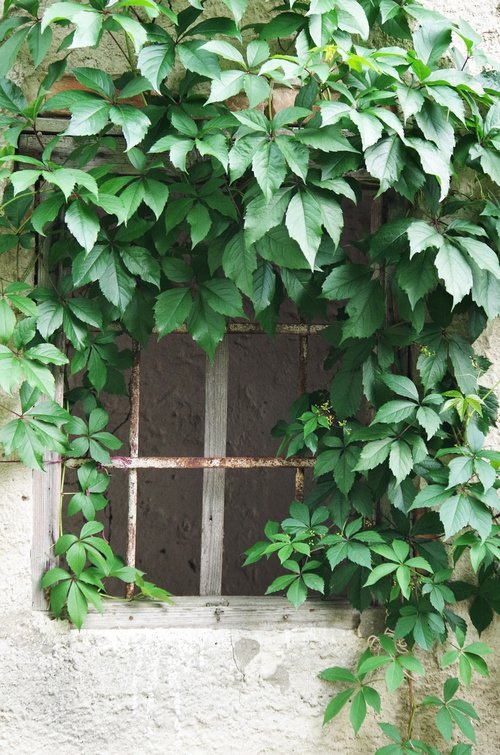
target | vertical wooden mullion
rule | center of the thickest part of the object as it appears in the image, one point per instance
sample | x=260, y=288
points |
x=212, y=517
x=135, y=406
x=46, y=486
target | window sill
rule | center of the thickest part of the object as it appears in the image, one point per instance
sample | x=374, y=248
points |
x=220, y=612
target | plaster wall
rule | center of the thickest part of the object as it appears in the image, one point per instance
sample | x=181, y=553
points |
x=189, y=691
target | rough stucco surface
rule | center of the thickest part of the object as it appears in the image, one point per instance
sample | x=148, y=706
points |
x=185, y=691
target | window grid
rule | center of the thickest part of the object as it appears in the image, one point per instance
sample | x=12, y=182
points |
x=214, y=462
x=47, y=486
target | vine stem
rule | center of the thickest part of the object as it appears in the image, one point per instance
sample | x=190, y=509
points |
x=411, y=705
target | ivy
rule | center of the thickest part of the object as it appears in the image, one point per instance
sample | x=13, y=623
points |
x=231, y=204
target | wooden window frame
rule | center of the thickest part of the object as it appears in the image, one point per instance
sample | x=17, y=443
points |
x=210, y=608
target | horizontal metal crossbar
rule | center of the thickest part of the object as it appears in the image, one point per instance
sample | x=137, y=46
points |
x=201, y=462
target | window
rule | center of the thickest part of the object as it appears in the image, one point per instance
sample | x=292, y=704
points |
x=212, y=464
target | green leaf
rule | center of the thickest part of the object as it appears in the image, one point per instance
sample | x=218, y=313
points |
x=417, y=277
x=352, y=18
x=264, y=286
x=195, y=58
x=326, y=139
x=373, y=454
x=297, y=592
x=401, y=385
x=395, y=411
x=431, y=495
x=97, y=80
x=410, y=99
x=155, y=195
x=344, y=280
x=454, y=271
x=12, y=98
x=422, y=236
x=223, y=297
x=337, y=674
x=431, y=40
x=239, y=262
x=200, y=222
x=172, y=309
x=454, y=514
x=262, y=215
x=346, y=392
x=357, y=713
x=429, y=420
x=269, y=168
x=394, y=676
x=7, y=321
x=133, y=29
x=369, y=127
x=88, y=116
x=433, y=162
x=336, y=704
x=115, y=283
x=482, y=255
x=303, y=221
x=461, y=470
x=295, y=154
x=132, y=121
x=385, y=161
x=435, y=126
x=77, y=605
x=83, y=223
x=400, y=460
x=366, y=311
x=444, y=723
x=10, y=49
x=155, y=62
x=206, y=326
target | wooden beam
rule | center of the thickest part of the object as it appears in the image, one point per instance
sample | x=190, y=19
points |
x=212, y=516
x=226, y=612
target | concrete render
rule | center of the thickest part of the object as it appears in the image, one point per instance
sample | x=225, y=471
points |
x=194, y=691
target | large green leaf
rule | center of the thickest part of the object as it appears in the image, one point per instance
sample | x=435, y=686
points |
x=385, y=160
x=132, y=121
x=83, y=224
x=239, y=262
x=454, y=271
x=417, y=276
x=262, y=215
x=435, y=126
x=88, y=116
x=344, y=281
x=222, y=296
x=422, y=236
x=269, y=168
x=303, y=221
x=366, y=311
x=400, y=460
x=171, y=309
x=116, y=284
x=155, y=62
x=206, y=326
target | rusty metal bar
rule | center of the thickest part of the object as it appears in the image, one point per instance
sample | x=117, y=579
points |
x=302, y=385
x=251, y=328
x=135, y=399
x=199, y=462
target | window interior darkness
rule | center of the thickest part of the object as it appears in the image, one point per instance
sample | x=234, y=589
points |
x=263, y=382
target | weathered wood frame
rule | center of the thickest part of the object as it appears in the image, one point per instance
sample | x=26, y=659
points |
x=210, y=609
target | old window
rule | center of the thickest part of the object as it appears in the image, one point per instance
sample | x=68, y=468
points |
x=198, y=475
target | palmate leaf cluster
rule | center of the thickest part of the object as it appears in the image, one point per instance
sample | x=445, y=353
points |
x=216, y=202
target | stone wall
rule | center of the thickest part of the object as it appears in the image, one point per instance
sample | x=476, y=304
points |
x=189, y=691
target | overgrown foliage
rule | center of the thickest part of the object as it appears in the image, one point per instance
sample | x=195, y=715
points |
x=230, y=204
